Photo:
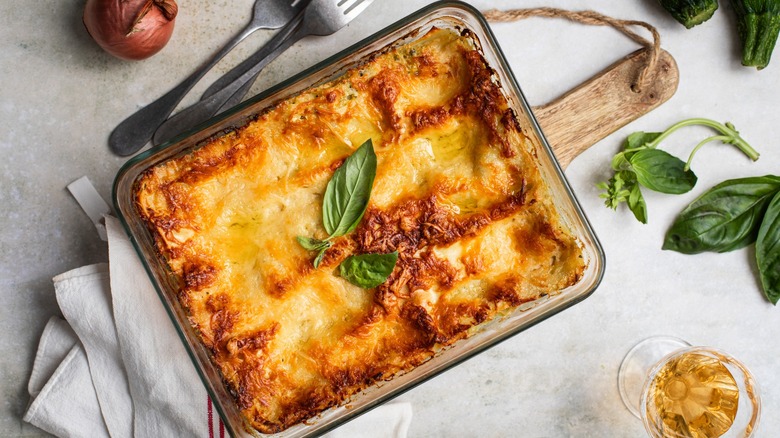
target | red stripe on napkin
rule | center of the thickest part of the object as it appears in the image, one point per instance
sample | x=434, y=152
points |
x=211, y=419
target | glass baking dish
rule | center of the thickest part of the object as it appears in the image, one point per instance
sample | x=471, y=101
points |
x=447, y=14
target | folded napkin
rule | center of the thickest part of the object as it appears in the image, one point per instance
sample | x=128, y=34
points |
x=116, y=366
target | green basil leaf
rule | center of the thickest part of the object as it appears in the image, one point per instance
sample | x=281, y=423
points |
x=634, y=142
x=724, y=218
x=615, y=190
x=368, y=270
x=660, y=171
x=312, y=244
x=318, y=259
x=620, y=162
x=638, y=139
x=768, y=250
x=346, y=196
x=637, y=205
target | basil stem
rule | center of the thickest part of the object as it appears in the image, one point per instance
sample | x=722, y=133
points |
x=724, y=218
x=722, y=138
x=729, y=135
x=768, y=250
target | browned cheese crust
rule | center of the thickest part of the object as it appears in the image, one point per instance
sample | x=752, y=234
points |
x=458, y=194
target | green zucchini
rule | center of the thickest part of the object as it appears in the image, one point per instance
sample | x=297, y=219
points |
x=758, y=24
x=690, y=12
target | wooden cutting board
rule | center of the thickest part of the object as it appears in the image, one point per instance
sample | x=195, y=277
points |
x=605, y=103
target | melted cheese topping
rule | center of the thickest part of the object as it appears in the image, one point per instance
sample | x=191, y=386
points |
x=457, y=193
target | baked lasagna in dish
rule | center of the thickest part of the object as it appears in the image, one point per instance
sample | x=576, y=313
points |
x=458, y=194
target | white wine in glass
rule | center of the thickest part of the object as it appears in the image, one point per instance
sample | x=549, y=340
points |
x=697, y=392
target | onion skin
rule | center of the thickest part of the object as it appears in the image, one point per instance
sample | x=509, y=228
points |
x=130, y=29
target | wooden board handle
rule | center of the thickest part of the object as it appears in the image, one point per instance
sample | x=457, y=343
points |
x=604, y=104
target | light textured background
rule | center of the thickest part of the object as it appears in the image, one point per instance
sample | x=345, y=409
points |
x=60, y=96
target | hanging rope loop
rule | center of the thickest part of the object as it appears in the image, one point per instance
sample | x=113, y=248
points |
x=594, y=19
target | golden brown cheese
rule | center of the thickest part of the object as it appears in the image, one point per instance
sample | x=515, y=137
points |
x=457, y=193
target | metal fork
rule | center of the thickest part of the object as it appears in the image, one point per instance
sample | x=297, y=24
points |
x=320, y=17
x=135, y=131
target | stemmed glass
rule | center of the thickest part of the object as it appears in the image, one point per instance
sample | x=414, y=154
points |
x=678, y=390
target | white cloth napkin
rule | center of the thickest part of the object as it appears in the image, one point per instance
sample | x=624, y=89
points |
x=116, y=366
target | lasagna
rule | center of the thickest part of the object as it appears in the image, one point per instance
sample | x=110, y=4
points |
x=458, y=194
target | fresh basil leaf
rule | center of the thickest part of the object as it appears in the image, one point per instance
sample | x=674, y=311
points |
x=724, y=218
x=638, y=139
x=768, y=250
x=347, y=193
x=318, y=259
x=312, y=244
x=660, y=171
x=637, y=205
x=620, y=162
x=634, y=142
x=368, y=270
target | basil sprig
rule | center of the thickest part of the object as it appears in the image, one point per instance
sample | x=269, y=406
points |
x=344, y=203
x=642, y=164
x=730, y=216
x=346, y=198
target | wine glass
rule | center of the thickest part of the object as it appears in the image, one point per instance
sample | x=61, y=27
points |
x=679, y=390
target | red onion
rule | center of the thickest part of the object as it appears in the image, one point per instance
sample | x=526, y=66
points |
x=130, y=29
